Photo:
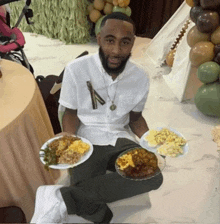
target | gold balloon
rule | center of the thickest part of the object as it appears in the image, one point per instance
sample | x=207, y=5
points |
x=215, y=37
x=170, y=57
x=201, y=52
x=194, y=36
x=189, y=3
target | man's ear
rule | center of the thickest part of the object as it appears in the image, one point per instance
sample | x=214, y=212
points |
x=98, y=37
x=134, y=40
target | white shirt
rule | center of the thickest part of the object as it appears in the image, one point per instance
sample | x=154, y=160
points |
x=129, y=91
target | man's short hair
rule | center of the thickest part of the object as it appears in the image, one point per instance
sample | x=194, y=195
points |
x=119, y=16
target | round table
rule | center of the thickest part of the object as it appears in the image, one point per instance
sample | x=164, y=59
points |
x=24, y=127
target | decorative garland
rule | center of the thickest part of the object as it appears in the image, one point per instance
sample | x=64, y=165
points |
x=65, y=20
x=181, y=34
x=170, y=56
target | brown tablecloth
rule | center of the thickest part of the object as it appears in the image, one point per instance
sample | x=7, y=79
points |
x=24, y=127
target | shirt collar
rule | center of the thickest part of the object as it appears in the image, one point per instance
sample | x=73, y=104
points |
x=102, y=70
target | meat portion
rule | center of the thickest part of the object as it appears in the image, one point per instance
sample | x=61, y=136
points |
x=146, y=164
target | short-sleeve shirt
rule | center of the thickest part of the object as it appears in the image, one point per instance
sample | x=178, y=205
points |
x=129, y=91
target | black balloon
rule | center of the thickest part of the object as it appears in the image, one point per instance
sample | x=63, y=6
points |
x=196, y=2
x=217, y=49
x=217, y=58
x=217, y=9
x=195, y=12
x=210, y=4
x=207, y=21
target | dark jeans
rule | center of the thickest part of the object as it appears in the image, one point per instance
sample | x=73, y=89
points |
x=91, y=187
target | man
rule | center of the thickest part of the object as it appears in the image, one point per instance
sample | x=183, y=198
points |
x=110, y=123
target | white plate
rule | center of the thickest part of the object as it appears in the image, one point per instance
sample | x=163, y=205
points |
x=66, y=166
x=161, y=165
x=144, y=142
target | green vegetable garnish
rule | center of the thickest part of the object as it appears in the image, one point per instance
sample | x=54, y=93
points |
x=50, y=157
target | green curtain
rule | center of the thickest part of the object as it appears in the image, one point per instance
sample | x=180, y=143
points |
x=65, y=20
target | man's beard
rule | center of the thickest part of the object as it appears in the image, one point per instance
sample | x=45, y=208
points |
x=116, y=71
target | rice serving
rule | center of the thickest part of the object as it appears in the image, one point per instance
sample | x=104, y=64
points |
x=65, y=150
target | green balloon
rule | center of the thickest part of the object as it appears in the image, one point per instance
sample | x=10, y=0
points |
x=119, y=9
x=98, y=25
x=208, y=72
x=207, y=99
x=128, y=11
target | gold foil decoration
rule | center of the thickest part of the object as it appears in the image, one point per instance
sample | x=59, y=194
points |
x=177, y=41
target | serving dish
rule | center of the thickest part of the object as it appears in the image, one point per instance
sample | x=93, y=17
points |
x=144, y=142
x=161, y=165
x=66, y=166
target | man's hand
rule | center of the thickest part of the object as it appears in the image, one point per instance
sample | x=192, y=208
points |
x=63, y=133
x=138, y=124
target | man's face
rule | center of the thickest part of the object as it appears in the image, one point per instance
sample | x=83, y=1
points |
x=116, y=40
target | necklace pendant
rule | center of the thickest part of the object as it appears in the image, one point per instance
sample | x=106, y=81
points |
x=113, y=107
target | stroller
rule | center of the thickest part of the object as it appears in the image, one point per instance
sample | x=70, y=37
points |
x=12, y=40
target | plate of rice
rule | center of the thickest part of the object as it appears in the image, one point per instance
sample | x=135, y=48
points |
x=64, y=152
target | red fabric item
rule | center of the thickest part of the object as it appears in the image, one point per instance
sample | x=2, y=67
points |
x=7, y=31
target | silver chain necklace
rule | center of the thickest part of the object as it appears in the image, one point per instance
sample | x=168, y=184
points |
x=113, y=106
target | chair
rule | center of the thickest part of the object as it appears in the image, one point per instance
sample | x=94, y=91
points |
x=50, y=87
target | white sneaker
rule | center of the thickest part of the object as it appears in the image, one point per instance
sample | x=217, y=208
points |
x=49, y=205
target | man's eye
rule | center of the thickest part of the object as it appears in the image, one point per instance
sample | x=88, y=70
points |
x=110, y=41
x=125, y=42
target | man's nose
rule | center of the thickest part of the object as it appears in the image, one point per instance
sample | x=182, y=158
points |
x=116, y=48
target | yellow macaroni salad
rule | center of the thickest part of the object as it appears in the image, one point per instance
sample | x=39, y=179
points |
x=170, y=150
x=125, y=161
x=170, y=144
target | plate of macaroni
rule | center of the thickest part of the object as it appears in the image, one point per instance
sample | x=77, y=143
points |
x=165, y=141
x=64, y=152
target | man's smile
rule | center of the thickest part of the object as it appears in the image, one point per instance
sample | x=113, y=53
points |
x=114, y=61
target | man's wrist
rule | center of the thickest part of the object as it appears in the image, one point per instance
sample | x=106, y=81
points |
x=142, y=135
x=65, y=133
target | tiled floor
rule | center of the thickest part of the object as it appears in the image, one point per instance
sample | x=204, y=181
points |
x=190, y=192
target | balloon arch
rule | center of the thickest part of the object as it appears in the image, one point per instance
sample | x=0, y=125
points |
x=204, y=42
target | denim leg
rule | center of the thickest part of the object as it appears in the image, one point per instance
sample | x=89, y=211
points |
x=95, y=188
x=94, y=166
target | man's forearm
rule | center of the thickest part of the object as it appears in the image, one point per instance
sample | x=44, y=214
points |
x=70, y=121
x=139, y=127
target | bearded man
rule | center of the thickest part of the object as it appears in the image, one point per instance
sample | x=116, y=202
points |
x=109, y=119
